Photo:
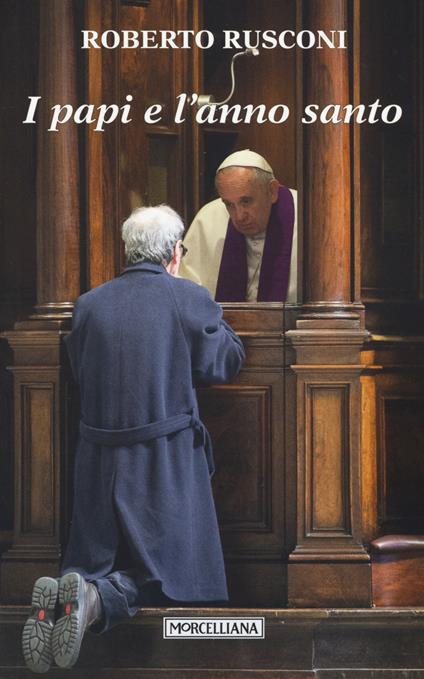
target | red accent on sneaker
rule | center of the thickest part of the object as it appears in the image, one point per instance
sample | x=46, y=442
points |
x=68, y=609
x=41, y=615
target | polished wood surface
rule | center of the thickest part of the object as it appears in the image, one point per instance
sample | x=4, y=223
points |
x=58, y=198
x=398, y=570
x=327, y=158
x=102, y=255
x=397, y=580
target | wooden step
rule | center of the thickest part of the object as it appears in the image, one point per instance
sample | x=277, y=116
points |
x=298, y=644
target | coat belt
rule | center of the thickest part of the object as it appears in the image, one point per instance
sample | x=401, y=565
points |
x=146, y=432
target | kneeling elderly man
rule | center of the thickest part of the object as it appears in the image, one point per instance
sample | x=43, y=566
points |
x=144, y=529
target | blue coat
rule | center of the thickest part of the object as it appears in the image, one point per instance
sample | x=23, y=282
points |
x=139, y=344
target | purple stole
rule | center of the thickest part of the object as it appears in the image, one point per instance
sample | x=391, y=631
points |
x=275, y=266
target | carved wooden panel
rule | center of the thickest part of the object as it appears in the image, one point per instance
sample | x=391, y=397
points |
x=37, y=401
x=327, y=459
x=239, y=420
x=37, y=471
x=39, y=442
x=249, y=479
x=328, y=466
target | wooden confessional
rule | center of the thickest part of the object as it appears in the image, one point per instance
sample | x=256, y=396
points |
x=319, y=441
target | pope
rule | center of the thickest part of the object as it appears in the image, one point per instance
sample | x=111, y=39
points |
x=243, y=245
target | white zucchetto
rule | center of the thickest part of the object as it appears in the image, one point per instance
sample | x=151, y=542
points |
x=246, y=158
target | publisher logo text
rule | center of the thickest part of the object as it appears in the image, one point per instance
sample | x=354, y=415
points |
x=213, y=628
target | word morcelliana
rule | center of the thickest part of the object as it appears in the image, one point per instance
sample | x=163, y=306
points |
x=186, y=39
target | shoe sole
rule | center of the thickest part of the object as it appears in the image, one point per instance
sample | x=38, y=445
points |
x=69, y=628
x=38, y=629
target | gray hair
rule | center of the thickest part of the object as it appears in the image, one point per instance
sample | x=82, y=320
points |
x=150, y=234
x=257, y=173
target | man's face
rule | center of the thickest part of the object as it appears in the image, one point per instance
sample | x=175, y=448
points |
x=247, y=199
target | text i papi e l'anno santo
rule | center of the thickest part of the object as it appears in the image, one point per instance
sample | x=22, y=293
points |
x=102, y=115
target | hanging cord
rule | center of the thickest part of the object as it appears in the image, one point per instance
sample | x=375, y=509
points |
x=209, y=98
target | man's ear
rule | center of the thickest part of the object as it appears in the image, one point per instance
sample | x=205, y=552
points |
x=174, y=264
x=273, y=189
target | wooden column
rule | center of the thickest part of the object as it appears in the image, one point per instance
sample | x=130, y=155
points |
x=58, y=215
x=327, y=167
x=39, y=380
x=329, y=565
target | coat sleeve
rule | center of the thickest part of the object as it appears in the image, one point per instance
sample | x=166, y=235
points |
x=217, y=353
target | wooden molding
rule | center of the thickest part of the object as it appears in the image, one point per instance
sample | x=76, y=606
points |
x=39, y=474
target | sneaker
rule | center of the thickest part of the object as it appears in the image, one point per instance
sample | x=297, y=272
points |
x=80, y=607
x=38, y=629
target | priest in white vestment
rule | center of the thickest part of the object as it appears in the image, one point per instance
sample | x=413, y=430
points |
x=243, y=245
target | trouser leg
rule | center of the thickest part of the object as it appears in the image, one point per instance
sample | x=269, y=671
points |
x=123, y=594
